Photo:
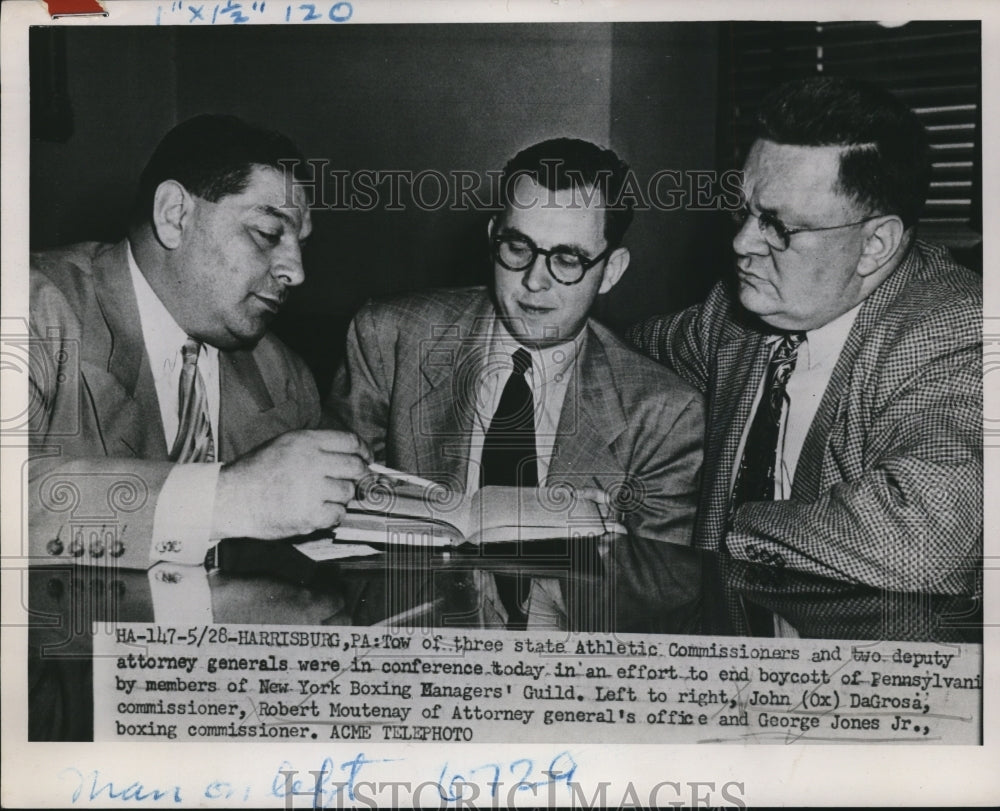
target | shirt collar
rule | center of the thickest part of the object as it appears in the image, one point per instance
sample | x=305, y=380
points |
x=161, y=334
x=551, y=362
x=824, y=343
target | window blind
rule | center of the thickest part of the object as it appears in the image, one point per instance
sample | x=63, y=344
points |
x=934, y=66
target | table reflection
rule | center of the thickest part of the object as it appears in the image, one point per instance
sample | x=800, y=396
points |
x=617, y=583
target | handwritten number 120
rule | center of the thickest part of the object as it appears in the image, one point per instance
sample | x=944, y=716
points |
x=339, y=12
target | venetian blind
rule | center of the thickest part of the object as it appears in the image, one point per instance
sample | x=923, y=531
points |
x=934, y=66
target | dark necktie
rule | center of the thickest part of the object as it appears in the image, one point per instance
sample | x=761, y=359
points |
x=509, y=458
x=755, y=480
x=194, y=442
x=756, y=476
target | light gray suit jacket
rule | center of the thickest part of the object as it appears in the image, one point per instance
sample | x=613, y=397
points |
x=98, y=453
x=410, y=381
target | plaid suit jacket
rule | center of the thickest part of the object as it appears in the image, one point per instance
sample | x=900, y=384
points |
x=888, y=489
x=409, y=384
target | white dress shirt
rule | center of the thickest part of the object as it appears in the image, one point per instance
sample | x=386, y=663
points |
x=817, y=356
x=182, y=521
x=548, y=379
x=815, y=359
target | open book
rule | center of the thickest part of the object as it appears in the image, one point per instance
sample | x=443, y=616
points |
x=444, y=518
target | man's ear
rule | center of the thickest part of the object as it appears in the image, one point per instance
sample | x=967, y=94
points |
x=613, y=270
x=490, y=226
x=882, y=241
x=172, y=207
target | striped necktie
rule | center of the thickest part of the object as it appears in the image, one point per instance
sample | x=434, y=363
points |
x=194, y=442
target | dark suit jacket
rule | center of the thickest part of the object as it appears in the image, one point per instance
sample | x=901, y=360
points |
x=888, y=488
x=98, y=453
x=409, y=384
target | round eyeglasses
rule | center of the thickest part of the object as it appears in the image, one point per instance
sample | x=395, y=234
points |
x=776, y=233
x=566, y=266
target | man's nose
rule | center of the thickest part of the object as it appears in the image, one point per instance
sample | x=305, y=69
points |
x=287, y=265
x=537, y=277
x=749, y=239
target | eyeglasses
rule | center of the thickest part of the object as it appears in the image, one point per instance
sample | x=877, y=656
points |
x=566, y=266
x=776, y=233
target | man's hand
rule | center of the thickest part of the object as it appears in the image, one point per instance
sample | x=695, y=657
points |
x=602, y=498
x=292, y=485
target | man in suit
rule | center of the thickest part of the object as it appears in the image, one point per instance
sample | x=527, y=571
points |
x=164, y=414
x=842, y=365
x=429, y=379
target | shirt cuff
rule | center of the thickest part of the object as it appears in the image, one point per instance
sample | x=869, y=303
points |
x=182, y=523
x=181, y=594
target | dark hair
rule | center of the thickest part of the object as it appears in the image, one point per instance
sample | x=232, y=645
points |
x=212, y=157
x=571, y=163
x=885, y=162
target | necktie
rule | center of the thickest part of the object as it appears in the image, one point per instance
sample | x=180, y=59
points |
x=194, y=442
x=509, y=446
x=509, y=459
x=755, y=478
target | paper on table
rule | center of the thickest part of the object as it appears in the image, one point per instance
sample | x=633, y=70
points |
x=328, y=549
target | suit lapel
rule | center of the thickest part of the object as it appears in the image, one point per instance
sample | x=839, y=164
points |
x=449, y=372
x=592, y=418
x=129, y=416
x=741, y=362
x=808, y=472
x=244, y=396
x=129, y=413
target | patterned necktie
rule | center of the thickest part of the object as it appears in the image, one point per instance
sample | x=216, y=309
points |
x=194, y=442
x=509, y=446
x=755, y=478
x=509, y=459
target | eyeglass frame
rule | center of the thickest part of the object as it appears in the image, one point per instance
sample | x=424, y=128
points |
x=585, y=262
x=782, y=231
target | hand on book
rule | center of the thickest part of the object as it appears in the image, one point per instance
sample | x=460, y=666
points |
x=602, y=498
x=293, y=484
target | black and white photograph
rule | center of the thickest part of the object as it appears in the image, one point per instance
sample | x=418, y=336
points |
x=377, y=384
